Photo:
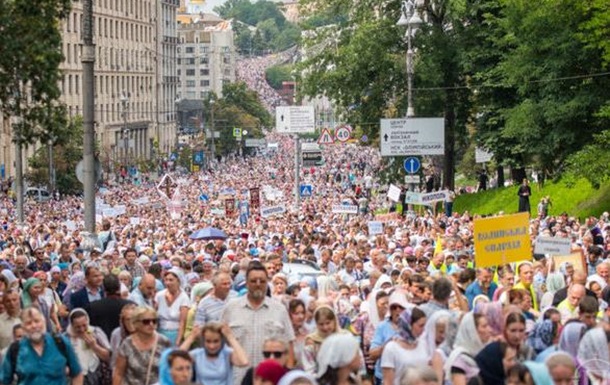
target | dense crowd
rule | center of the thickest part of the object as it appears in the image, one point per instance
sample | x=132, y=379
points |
x=252, y=71
x=149, y=304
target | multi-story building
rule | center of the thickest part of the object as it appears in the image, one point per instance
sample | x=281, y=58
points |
x=206, y=55
x=135, y=83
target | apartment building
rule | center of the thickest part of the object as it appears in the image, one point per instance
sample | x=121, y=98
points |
x=135, y=76
x=206, y=55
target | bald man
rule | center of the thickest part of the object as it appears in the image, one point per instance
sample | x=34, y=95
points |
x=577, y=278
x=144, y=294
x=569, y=306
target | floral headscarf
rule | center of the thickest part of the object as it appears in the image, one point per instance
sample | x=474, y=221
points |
x=405, y=327
x=542, y=335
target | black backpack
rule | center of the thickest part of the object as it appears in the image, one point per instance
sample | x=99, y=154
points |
x=13, y=350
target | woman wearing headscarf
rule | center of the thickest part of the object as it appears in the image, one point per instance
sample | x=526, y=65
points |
x=327, y=323
x=172, y=306
x=494, y=361
x=365, y=325
x=90, y=345
x=543, y=336
x=593, y=354
x=297, y=377
x=472, y=335
x=434, y=336
x=32, y=296
x=175, y=368
x=76, y=282
x=407, y=349
x=554, y=282
x=339, y=360
x=494, y=313
x=199, y=291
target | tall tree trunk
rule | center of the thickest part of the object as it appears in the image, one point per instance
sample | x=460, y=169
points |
x=449, y=169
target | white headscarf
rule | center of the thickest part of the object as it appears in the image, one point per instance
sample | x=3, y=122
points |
x=337, y=351
x=593, y=352
x=372, y=310
x=294, y=375
x=436, y=318
x=89, y=361
x=383, y=279
x=467, y=341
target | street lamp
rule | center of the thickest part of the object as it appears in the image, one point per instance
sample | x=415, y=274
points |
x=125, y=130
x=213, y=146
x=409, y=16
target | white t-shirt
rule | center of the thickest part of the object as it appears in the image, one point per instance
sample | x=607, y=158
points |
x=169, y=316
x=398, y=358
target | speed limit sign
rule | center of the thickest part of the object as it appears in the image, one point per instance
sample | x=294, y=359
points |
x=343, y=134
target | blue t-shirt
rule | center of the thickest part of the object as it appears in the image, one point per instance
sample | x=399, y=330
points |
x=383, y=333
x=213, y=371
x=48, y=368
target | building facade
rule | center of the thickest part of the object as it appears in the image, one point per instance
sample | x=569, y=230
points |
x=135, y=81
x=206, y=56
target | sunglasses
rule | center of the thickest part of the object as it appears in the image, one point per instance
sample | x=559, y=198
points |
x=394, y=307
x=274, y=354
x=149, y=321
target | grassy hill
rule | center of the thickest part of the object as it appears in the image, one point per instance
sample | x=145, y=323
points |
x=579, y=199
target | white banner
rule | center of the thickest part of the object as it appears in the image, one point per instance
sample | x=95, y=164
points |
x=345, y=209
x=375, y=227
x=134, y=221
x=553, y=246
x=394, y=193
x=270, y=211
x=412, y=136
x=414, y=198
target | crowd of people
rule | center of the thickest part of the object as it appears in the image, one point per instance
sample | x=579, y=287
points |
x=252, y=71
x=306, y=296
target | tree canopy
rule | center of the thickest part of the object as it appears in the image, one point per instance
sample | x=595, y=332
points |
x=525, y=80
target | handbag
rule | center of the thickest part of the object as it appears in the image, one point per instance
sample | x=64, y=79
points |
x=152, y=358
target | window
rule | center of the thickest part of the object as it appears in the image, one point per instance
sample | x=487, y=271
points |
x=204, y=83
x=190, y=83
x=204, y=72
x=204, y=60
x=190, y=72
x=190, y=50
x=190, y=60
x=179, y=61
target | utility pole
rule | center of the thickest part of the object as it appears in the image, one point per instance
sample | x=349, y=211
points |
x=51, y=167
x=88, y=59
x=297, y=172
x=19, y=177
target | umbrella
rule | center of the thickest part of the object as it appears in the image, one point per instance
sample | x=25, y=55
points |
x=208, y=233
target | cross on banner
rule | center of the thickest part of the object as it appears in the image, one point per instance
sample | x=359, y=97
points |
x=167, y=186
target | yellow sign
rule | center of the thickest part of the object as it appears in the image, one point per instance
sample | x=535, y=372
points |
x=501, y=240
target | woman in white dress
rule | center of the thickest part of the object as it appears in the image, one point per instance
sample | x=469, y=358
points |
x=172, y=307
x=407, y=349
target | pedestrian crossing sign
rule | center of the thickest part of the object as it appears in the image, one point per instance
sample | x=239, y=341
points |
x=325, y=137
x=306, y=190
x=237, y=132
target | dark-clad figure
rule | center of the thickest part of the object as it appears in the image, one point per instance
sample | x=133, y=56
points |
x=524, y=197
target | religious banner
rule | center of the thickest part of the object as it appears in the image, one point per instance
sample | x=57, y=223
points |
x=230, y=207
x=255, y=198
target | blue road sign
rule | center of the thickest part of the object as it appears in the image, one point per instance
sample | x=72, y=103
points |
x=203, y=198
x=364, y=138
x=173, y=157
x=306, y=190
x=412, y=165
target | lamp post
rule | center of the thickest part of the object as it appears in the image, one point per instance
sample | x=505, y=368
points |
x=213, y=146
x=409, y=16
x=125, y=130
x=51, y=143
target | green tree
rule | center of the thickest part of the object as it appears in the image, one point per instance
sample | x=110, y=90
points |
x=67, y=152
x=548, y=65
x=277, y=74
x=591, y=162
x=29, y=66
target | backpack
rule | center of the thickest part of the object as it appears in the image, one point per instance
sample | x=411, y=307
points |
x=13, y=350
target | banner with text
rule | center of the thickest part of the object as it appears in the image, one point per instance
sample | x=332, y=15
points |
x=501, y=240
x=270, y=211
x=553, y=246
x=345, y=209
